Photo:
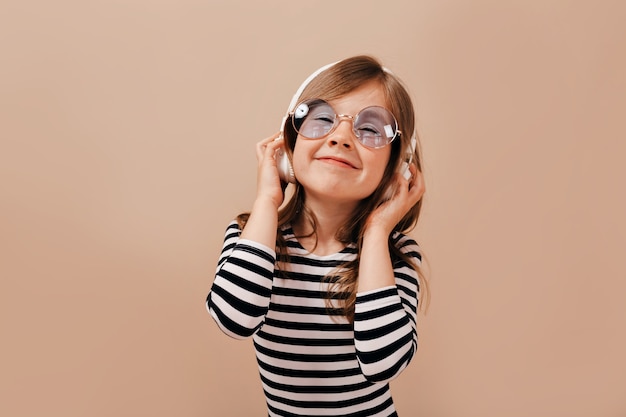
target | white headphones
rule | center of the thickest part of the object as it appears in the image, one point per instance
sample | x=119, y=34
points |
x=285, y=170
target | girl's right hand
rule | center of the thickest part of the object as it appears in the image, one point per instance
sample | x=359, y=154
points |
x=268, y=182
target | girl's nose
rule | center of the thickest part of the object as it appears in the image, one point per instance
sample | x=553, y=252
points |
x=342, y=135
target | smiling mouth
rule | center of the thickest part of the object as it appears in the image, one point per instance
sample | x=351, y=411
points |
x=337, y=162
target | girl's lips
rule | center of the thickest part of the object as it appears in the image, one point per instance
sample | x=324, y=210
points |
x=336, y=161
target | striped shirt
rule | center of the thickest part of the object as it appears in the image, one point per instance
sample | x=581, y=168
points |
x=312, y=361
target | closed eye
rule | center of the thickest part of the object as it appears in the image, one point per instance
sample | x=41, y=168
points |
x=324, y=118
x=369, y=130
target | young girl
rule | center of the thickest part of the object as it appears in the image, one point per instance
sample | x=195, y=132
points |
x=327, y=285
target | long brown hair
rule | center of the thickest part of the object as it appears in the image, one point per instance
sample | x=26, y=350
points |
x=334, y=82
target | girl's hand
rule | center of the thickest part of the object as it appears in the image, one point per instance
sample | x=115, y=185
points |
x=263, y=221
x=269, y=186
x=408, y=192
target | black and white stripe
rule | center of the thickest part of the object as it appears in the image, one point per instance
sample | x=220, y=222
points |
x=312, y=361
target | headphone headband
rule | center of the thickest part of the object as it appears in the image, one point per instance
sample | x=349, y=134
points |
x=296, y=96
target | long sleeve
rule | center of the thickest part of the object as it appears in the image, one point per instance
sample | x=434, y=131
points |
x=240, y=294
x=385, y=333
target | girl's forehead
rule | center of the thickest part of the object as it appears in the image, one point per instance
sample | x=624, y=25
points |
x=368, y=94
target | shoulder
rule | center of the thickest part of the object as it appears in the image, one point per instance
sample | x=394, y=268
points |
x=286, y=230
x=406, y=245
x=407, y=261
x=233, y=229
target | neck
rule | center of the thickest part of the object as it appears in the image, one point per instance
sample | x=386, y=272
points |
x=330, y=218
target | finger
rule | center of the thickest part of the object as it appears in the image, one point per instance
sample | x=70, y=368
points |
x=275, y=141
x=272, y=147
x=269, y=142
x=270, y=138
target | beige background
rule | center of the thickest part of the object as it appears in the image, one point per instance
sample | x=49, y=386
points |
x=127, y=143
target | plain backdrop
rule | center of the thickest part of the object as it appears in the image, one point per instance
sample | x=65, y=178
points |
x=127, y=144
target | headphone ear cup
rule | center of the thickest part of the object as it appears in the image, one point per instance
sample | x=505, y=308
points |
x=405, y=171
x=285, y=170
x=408, y=159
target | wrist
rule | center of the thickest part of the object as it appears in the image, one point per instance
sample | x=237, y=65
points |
x=265, y=204
x=262, y=223
x=376, y=231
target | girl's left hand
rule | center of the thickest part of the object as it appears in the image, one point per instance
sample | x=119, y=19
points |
x=407, y=194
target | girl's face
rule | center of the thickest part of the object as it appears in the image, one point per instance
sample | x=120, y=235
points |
x=338, y=167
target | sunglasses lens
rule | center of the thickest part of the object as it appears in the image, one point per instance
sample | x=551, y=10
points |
x=313, y=119
x=375, y=127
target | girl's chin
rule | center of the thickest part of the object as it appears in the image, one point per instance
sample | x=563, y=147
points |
x=340, y=191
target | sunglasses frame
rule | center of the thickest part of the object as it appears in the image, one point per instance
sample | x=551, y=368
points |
x=339, y=117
